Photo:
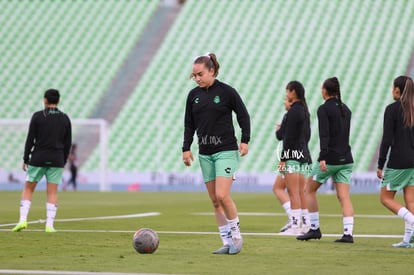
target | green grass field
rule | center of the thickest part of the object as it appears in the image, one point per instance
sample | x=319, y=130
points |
x=187, y=236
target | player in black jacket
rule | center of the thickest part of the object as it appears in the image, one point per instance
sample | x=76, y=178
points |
x=208, y=112
x=335, y=160
x=295, y=158
x=398, y=141
x=46, y=151
x=279, y=185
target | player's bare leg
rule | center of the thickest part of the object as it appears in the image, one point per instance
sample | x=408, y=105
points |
x=223, y=189
x=279, y=187
x=342, y=192
x=51, y=206
x=221, y=220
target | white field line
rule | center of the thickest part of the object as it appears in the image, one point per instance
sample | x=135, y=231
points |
x=47, y=272
x=139, y=215
x=270, y=214
x=279, y=234
x=264, y=234
x=194, y=232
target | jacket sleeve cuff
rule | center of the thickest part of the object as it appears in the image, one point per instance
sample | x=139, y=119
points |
x=245, y=140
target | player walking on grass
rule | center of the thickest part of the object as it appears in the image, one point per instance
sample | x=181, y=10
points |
x=46, y=151
x=398, y=139
x=208, y=112
x=335, y=160
x=279, y=185
x=295, y=155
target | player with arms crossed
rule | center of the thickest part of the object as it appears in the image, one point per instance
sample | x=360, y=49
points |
x=208, y=112
x=46, y=151
x=398, y=136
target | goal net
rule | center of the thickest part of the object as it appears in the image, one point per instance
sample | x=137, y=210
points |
x=90, y=136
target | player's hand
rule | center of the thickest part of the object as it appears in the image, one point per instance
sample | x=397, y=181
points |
x=243, y=149
x=187, y=158
x=322, y=166
x=277, y=126
x=379, y=173
x=24, y=167
x=282, y=167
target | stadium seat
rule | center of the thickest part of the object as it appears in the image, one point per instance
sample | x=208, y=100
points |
x=261, y=45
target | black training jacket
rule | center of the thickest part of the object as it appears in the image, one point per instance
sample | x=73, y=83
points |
x=49, y=139
x=209, y=113
x=397, y=137
x=296, y=134
x=334, y=130
x=280, y=133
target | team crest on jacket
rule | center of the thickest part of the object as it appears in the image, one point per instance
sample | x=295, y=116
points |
x=216, y=99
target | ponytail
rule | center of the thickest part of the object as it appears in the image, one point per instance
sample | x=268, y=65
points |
x=210, y=61
x=331, y=85
x=307, y=114
x=407, y=103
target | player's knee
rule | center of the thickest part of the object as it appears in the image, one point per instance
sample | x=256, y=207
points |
x=221, y=198
x=216, y=204
x=276, y=189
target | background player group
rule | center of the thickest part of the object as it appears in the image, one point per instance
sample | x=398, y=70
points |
x=335, y=159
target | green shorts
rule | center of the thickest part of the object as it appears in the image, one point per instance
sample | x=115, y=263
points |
x=53, y=174
x=220, y=164
x=293, y=166
x=397, y=179
x=339, y=173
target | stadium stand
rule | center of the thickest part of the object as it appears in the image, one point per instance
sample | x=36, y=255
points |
x=75, y=46
x=261, y=45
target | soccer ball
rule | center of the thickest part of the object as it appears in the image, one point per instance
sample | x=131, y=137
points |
x=145, y=241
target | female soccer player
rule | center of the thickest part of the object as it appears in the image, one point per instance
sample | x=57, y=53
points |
x=335, y=160
x=208, y=112
x=295, y=154
x=279, y=185
x=46, y=151
x=398, y=137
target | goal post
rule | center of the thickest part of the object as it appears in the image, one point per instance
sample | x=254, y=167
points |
x=90, y=136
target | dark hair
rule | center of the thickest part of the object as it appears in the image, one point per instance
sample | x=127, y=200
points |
x=407, y=103
x=300, y=93
x=332, y=87
x=399, y=82
x=52, y=96
x=210, y=61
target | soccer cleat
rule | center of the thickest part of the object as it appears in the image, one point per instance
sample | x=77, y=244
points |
x=293, y=231
x=20, y=226
x=403, y=245
x=222, y=250
x=311, y=234
x=236, y=247
x=287, y=226
x=304, y=229
x=345, y=239
x=50, y=229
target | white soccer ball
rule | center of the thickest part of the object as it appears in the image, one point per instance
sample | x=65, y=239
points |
x=145, y=241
